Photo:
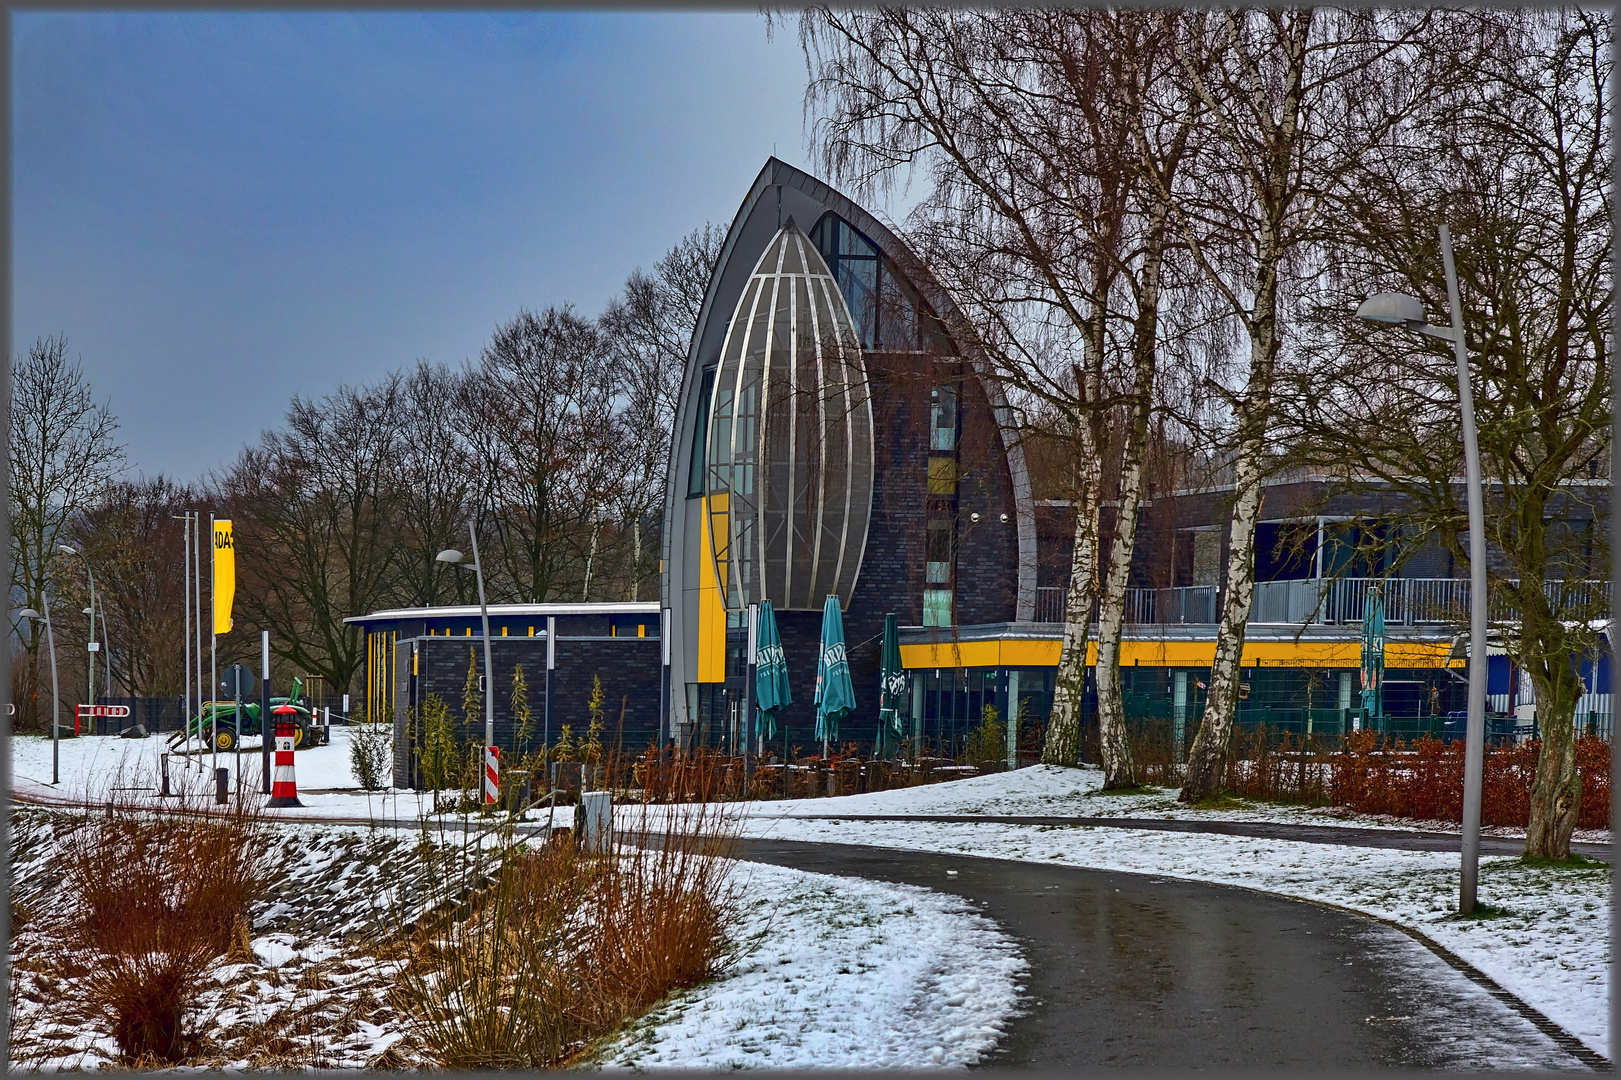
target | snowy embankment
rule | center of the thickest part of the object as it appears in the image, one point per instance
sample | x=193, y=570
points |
x=1549, y=946
x=824, y=971
x=840, y=973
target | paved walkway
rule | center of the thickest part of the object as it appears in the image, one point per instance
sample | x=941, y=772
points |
x=1131, y=969
x=1400, y=839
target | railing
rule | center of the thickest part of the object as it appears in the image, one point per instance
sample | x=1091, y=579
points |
x=1408, y=602
x=1049, y=605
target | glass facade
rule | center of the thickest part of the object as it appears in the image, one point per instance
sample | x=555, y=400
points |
x=790, y=436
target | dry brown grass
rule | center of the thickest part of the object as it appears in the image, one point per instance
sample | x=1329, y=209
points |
x=531, y=953
x=158, y=891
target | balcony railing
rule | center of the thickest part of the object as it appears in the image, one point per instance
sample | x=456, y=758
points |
x=1408, y=602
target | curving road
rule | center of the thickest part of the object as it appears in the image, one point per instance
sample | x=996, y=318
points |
x=1130, y=969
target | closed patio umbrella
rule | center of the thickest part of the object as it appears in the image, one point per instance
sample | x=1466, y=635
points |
x=1373, y=656
x=834, y=695
x=891, y=685
x=770, y=674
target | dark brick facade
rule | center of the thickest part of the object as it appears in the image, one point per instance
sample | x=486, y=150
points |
x=629, y=668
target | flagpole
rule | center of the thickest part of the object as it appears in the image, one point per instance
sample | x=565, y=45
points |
x=185, y=704
x=197, y=623
x=213, y=640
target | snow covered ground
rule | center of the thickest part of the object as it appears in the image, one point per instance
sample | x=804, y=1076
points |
x=824, y=972
x=1550, y=946
x=90, y=765
x=1049, y=791
x=840, y=973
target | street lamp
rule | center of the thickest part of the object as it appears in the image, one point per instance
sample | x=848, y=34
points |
x=56, y=696
x=91, y=645
x=1397, y=309
x=456, y=558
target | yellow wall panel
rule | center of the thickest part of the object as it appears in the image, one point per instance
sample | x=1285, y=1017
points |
x=711, y=611
x=1044, y=652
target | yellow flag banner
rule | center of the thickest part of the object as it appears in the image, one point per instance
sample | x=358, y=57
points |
x=224, y=576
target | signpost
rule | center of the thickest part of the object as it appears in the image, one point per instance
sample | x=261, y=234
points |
x=238, y=681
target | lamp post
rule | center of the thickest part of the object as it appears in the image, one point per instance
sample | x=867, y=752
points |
x=455, y=558
x=1398, y=309
x=91, y=645
x=56, y=695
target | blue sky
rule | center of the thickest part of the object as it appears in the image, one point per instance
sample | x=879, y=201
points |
x=220, y=211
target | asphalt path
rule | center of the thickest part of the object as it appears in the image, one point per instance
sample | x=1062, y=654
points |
x=1131, y=970
x=1349, y=836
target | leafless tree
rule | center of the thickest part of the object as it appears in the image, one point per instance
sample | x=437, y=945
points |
x=1516, y=160
x=1051, y=140
x=649, y=327
x=133, y=538
x=435, y=477
x=64, y=453
x=316, y=515
x=544, y=430
x=1292, y=99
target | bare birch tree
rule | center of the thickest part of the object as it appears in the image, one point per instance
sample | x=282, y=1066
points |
x=64, y=452
x=1292, y=98
x=1041, y=226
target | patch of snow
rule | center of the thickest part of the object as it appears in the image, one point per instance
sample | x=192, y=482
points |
x=840, y=972
x=1550, y=947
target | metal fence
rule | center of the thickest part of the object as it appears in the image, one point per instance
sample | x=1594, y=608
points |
x=1339, y=601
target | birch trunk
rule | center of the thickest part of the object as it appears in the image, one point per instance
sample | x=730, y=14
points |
x=1063, y=743
x=1113, y=739
x=1208, y=756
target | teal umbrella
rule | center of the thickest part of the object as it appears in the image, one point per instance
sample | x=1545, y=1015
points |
x=891, y=684
x=834, y=694
x=770, y=674
x=1373, y=654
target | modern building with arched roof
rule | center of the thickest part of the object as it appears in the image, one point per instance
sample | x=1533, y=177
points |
x=832, y=438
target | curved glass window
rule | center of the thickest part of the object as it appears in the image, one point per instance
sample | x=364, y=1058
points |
x=884, y=308
x=790, y=437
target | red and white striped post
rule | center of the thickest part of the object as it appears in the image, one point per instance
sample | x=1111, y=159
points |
x=284, y=786
x=492, y=774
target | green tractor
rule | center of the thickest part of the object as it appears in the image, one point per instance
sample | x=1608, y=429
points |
x=220, y=722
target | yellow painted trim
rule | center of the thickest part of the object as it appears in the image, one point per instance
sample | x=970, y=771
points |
x=1025, y=652
x=711, y=609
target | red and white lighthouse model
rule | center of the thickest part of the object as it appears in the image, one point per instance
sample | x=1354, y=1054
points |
x=283, y=785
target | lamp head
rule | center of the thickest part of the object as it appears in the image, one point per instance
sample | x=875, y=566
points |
x=89, y=611
x=1391, y=308
x=29, y=613
x=67, y=549
x=449, y=555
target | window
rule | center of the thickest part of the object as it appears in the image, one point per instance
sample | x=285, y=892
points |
x=943, y=418
x=854, y=261
x=936, y=607
x=700, y=437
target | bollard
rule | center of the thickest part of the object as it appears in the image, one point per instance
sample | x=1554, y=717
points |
x=222, y=779
x=595, y=818
x=163, y=760
x=284, y=787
